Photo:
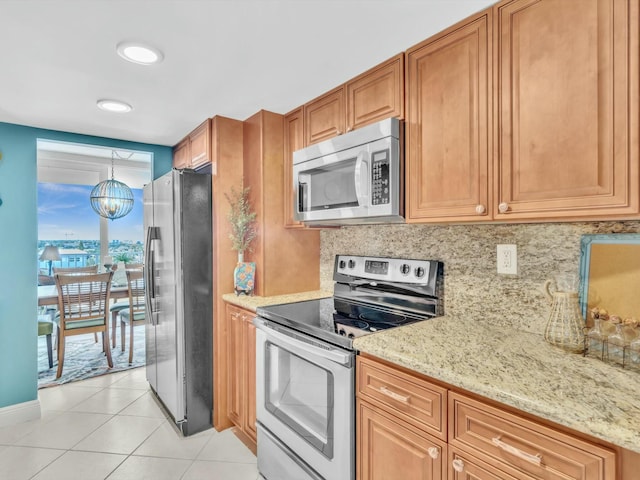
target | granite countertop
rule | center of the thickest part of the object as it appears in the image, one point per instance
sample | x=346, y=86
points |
x=251, y=303
x=521, y=370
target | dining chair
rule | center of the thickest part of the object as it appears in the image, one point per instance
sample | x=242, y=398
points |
x=77, y=271
x=83, y=302
x=135, y=314
x=45, y=327
x=117, y=307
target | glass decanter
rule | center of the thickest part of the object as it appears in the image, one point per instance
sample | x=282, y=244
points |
x=616, y=343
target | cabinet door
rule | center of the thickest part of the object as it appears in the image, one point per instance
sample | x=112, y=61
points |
x=250, y=377
x=200, y=140
x=236, y=365
x=293, y=140
x=376, y=94
x=324, y=117
x=181, y=154
x=448, y=108
x=566, y=108
x=389, y=449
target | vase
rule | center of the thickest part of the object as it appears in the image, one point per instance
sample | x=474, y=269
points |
x=565, y=324
x=244, y=276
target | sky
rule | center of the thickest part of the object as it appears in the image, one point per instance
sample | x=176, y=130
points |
x=64, y=212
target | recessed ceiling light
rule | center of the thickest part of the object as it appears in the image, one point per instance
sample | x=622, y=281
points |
x=139, y=53
x=114, y=106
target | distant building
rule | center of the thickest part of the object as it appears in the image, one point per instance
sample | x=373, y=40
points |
x=69, y=258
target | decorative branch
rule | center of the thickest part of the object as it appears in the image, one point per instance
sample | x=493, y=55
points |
x=242, y=220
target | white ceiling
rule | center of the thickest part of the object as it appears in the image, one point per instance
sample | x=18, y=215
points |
x=222, y=57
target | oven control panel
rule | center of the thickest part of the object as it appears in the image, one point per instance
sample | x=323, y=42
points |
x=388, y=269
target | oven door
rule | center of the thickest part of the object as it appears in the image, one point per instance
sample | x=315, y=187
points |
x=305, y=397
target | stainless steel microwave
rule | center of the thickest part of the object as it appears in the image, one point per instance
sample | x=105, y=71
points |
x=352, y=179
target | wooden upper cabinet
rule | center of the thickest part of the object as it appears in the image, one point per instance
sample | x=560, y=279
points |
x=324, y=117
x=293, y=140
x=447, y=124
x=181, y=153
x=373, y=95
x=200, y=140
x=566, y=109
x=287, y=260
x=195, y=149
x=376, y=94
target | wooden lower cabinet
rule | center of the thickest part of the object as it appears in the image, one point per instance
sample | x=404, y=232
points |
x=485, y=442
x=249, y=425
x=391, y=449
x=241, y=385
x=523, y=448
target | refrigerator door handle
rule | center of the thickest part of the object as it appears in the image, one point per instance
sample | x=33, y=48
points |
x=150, y=274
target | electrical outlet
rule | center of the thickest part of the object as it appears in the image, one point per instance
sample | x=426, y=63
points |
x=507, y=259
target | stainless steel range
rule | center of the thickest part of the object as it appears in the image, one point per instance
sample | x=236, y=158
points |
x=305, y=362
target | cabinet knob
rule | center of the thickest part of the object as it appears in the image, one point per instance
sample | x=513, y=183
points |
x=458, y=465
x=503, y=207
x=480, y=209
x=338, y=132
x=349, y=129
x=434, y=452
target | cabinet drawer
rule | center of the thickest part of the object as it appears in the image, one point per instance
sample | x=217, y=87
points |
x=410, y=398
x=530, y=449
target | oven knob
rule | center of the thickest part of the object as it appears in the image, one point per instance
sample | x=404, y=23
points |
x=352, y=263
x=405, y=269
x=419, y=272
x=351, y=335
x=342, y=264
x=342, y=332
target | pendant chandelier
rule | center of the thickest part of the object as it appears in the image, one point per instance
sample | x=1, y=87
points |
x=110, y=198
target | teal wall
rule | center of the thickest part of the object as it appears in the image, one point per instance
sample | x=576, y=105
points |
x=18, y=242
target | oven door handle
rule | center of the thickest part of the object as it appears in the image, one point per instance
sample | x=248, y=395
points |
x=304, y=346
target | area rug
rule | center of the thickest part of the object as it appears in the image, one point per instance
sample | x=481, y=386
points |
x=83, y=358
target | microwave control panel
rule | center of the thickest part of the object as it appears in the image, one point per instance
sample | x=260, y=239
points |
x=380, y=177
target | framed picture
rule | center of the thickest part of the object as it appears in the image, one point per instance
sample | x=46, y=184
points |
x=610, y=274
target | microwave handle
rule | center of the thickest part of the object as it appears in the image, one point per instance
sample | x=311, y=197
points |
x=302, y=197
x=361, y=178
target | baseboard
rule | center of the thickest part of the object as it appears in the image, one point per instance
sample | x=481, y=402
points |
x=20, y=412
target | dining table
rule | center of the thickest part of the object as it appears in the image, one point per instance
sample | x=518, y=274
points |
x=48, y=294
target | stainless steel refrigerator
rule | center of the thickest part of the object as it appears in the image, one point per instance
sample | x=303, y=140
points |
x=178, y=269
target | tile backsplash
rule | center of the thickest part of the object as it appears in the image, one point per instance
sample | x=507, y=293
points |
x=472, y=285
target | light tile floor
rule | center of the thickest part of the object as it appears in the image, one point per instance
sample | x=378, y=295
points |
x=112, y=427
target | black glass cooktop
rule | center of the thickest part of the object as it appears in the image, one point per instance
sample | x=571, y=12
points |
x=318, y=318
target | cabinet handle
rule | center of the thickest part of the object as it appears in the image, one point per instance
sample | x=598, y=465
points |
x=396, y=396
x=458, y=465
x=480, y=209
x=535, y=459
x=434, y=452
x=235, y=315
x=503, y=207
